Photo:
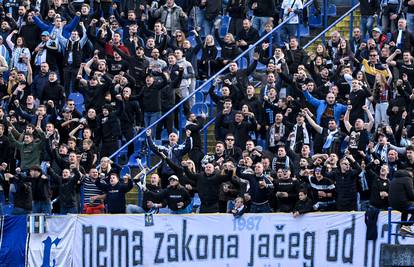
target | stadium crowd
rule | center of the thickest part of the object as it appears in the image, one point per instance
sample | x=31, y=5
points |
x=324, y=130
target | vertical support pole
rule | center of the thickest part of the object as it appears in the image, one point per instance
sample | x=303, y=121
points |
x=270, y=46
x=389, y=225
x=180, y=122
x=205, y=141
x=82, y=198
x=325, y=18
x=351, y=21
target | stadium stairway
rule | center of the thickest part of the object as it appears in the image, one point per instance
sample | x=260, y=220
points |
x=343, y=27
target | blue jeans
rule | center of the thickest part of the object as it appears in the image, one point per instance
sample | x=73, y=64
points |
x=289, y=30
x=367, y=23
x=262, y=208
x=205, y=26
x=410, y=22
x=150, y=118
x=259, y=23
x=72, y=210
x=188, y=209
x=42, y=207
x=134, y=209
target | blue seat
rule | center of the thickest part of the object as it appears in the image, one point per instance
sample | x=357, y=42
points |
x=76, y=97
x=303, y=30
x=133, y=161
x=164, y=135
x=138, y=142
x=192, y=40
x=199, y=97
x=7, y=209
x=261, y=142
x=315, y=21
x=331, y=10
x=242, y=63
x=124, y=171
x=225, y=22
x=199, y=108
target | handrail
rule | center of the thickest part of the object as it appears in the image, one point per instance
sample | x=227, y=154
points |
x=204, y=131
x=208, y=124
x=322, y=33
x=246, y=52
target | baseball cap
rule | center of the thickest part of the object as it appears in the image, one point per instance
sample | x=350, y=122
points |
x=173, y=177
x=45, y=33
x=377, y=29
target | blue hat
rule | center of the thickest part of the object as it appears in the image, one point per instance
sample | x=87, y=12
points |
x=45, y=33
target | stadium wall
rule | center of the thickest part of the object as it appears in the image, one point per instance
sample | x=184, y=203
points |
x=266, y=240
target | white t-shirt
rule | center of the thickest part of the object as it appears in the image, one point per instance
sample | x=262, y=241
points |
x=295, y=5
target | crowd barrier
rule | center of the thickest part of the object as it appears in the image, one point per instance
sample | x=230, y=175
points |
x=316, y=239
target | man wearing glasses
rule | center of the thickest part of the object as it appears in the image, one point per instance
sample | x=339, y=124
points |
x=232, y=151
x=371, y=66
x=345, y=178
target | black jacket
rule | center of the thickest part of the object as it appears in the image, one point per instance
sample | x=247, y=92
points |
x=303, y=206
x=237, y=9
x=241, y=77
x=250, y=36
x=115, y=194
x=401, y=191
x=40, y=189
x=290, y=186
x=259, y=195
x=151, y=96
x=173, y=195
x=229, y=51
x=55, y=92
x=131, y=114
x=110, y=126
x=240, y=131
x=150, y=197
x=369, y=8
x=168, y=90
x=378, y=185
x=94, y=96
x=346, y=187
x=195, y=132
x=213, y=9
x=23, y=196
x=265, y=8
x=67, y=188
x=208, y=185
x=137, y=66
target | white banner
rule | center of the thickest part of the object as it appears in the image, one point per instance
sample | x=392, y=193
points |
x=268, y=240
x=53, y=248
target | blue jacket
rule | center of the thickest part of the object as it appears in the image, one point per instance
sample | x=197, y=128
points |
x=321, y=105
x=175, y=153
x=66, y=31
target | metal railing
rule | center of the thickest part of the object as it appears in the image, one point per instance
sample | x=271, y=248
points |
x=323, y=33
x=398, y=223
x=179, y=106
